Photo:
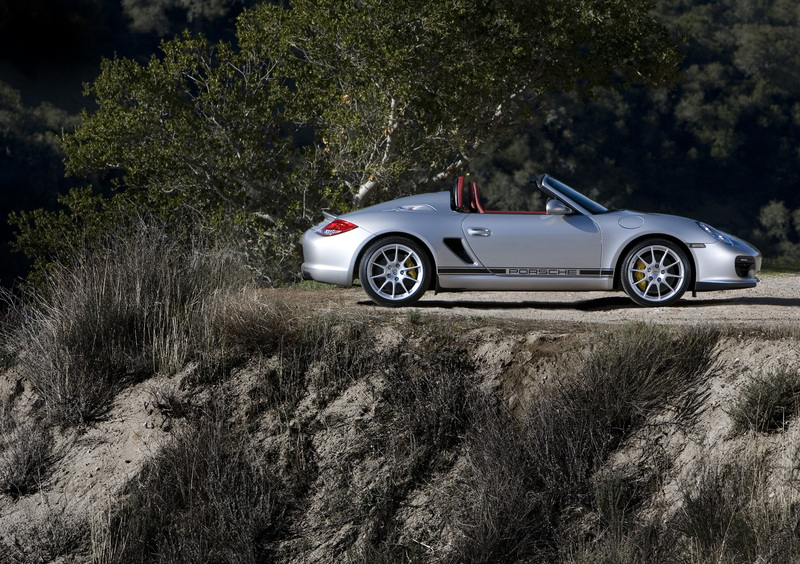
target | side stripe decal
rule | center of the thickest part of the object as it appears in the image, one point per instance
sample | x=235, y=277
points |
x=527, y=272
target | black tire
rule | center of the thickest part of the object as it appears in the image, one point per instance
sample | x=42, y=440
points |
x=395, y=271
x=656, y=272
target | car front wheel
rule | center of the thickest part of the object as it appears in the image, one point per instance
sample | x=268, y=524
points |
x=395, y=271
x=656, y=272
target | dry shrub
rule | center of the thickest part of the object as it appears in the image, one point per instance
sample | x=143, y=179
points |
x=530, y=476
x=423, y=406
x=26, y=454
x=205, y=497
x=522, y=475
x=236, y=326
x=115, y=316
x=767, y=403
x=54, y=534
x=637, y=370
x=9, y=319
x=733, y=515
x=431, y=391
x=294, y=352
x=426, y=407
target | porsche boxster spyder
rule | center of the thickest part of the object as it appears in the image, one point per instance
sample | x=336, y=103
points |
x=448, y=241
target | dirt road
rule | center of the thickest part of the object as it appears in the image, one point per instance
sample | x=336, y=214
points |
x=773, y=304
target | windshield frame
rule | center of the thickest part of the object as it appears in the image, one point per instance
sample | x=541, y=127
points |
x=571, y=197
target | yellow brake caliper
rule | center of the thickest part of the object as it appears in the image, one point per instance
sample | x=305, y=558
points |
x=413, y=273
x=639, y=276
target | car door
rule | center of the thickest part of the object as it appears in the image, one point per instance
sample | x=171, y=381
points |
x=535, y=247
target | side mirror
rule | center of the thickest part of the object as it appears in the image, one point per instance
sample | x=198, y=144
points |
x=554, y=207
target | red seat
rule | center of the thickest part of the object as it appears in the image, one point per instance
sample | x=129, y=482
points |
x=461, y=197
x=467, y=200
x=474, y=200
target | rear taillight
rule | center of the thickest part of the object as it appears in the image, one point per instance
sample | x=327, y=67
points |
x=336, y=227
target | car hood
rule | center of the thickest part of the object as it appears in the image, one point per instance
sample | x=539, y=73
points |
x=684, y=228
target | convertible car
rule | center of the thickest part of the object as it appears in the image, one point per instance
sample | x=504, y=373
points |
x=448, y=241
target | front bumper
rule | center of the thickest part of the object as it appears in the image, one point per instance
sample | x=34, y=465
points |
x=726, y=267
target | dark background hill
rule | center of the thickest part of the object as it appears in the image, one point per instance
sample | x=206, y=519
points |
x=718, y=147
x=48, y=50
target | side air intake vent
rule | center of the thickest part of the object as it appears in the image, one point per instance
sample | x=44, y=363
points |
x=745, y=266
x=457, y=247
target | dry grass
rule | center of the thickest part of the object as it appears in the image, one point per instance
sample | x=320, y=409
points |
x=26, y=454
x=768, y=402
x=730, y=516
x=529, y=476
x=206, y=498
x=53, y=534
x=123, y=313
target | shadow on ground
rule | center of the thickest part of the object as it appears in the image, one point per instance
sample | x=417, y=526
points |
x=597, y=304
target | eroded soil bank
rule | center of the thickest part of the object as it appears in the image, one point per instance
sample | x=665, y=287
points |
x=340, y=444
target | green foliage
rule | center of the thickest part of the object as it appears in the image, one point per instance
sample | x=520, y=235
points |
x=760, y=47
x=61, y=236
x=776, y=219
x=196, y=124
x=31, y=174
x=30, y=136
x=159, y=16
x=730, y=129
x=402, y=95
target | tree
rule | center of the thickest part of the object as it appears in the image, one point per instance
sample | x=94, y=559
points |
x=776, y=220
x=774, y=217
x=331, y=102
x=403, y=95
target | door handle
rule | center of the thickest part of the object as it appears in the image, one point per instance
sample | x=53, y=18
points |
x=479, y=232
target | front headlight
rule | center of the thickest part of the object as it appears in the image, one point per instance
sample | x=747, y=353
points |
x=718, y=235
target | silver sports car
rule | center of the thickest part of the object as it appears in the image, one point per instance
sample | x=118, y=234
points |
x=448, y=241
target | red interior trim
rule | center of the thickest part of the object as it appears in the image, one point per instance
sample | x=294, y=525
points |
x=516, y=212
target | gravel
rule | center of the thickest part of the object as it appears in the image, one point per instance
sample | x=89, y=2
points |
x=773, y=304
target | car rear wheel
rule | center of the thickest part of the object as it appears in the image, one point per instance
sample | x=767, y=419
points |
x=656, y=272
x=395, y=271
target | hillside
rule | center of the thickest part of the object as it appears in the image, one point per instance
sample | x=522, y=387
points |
x=473, y=428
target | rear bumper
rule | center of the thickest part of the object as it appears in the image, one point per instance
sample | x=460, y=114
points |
x=332, y=259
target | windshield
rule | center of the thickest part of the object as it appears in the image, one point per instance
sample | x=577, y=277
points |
x=589, y=205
